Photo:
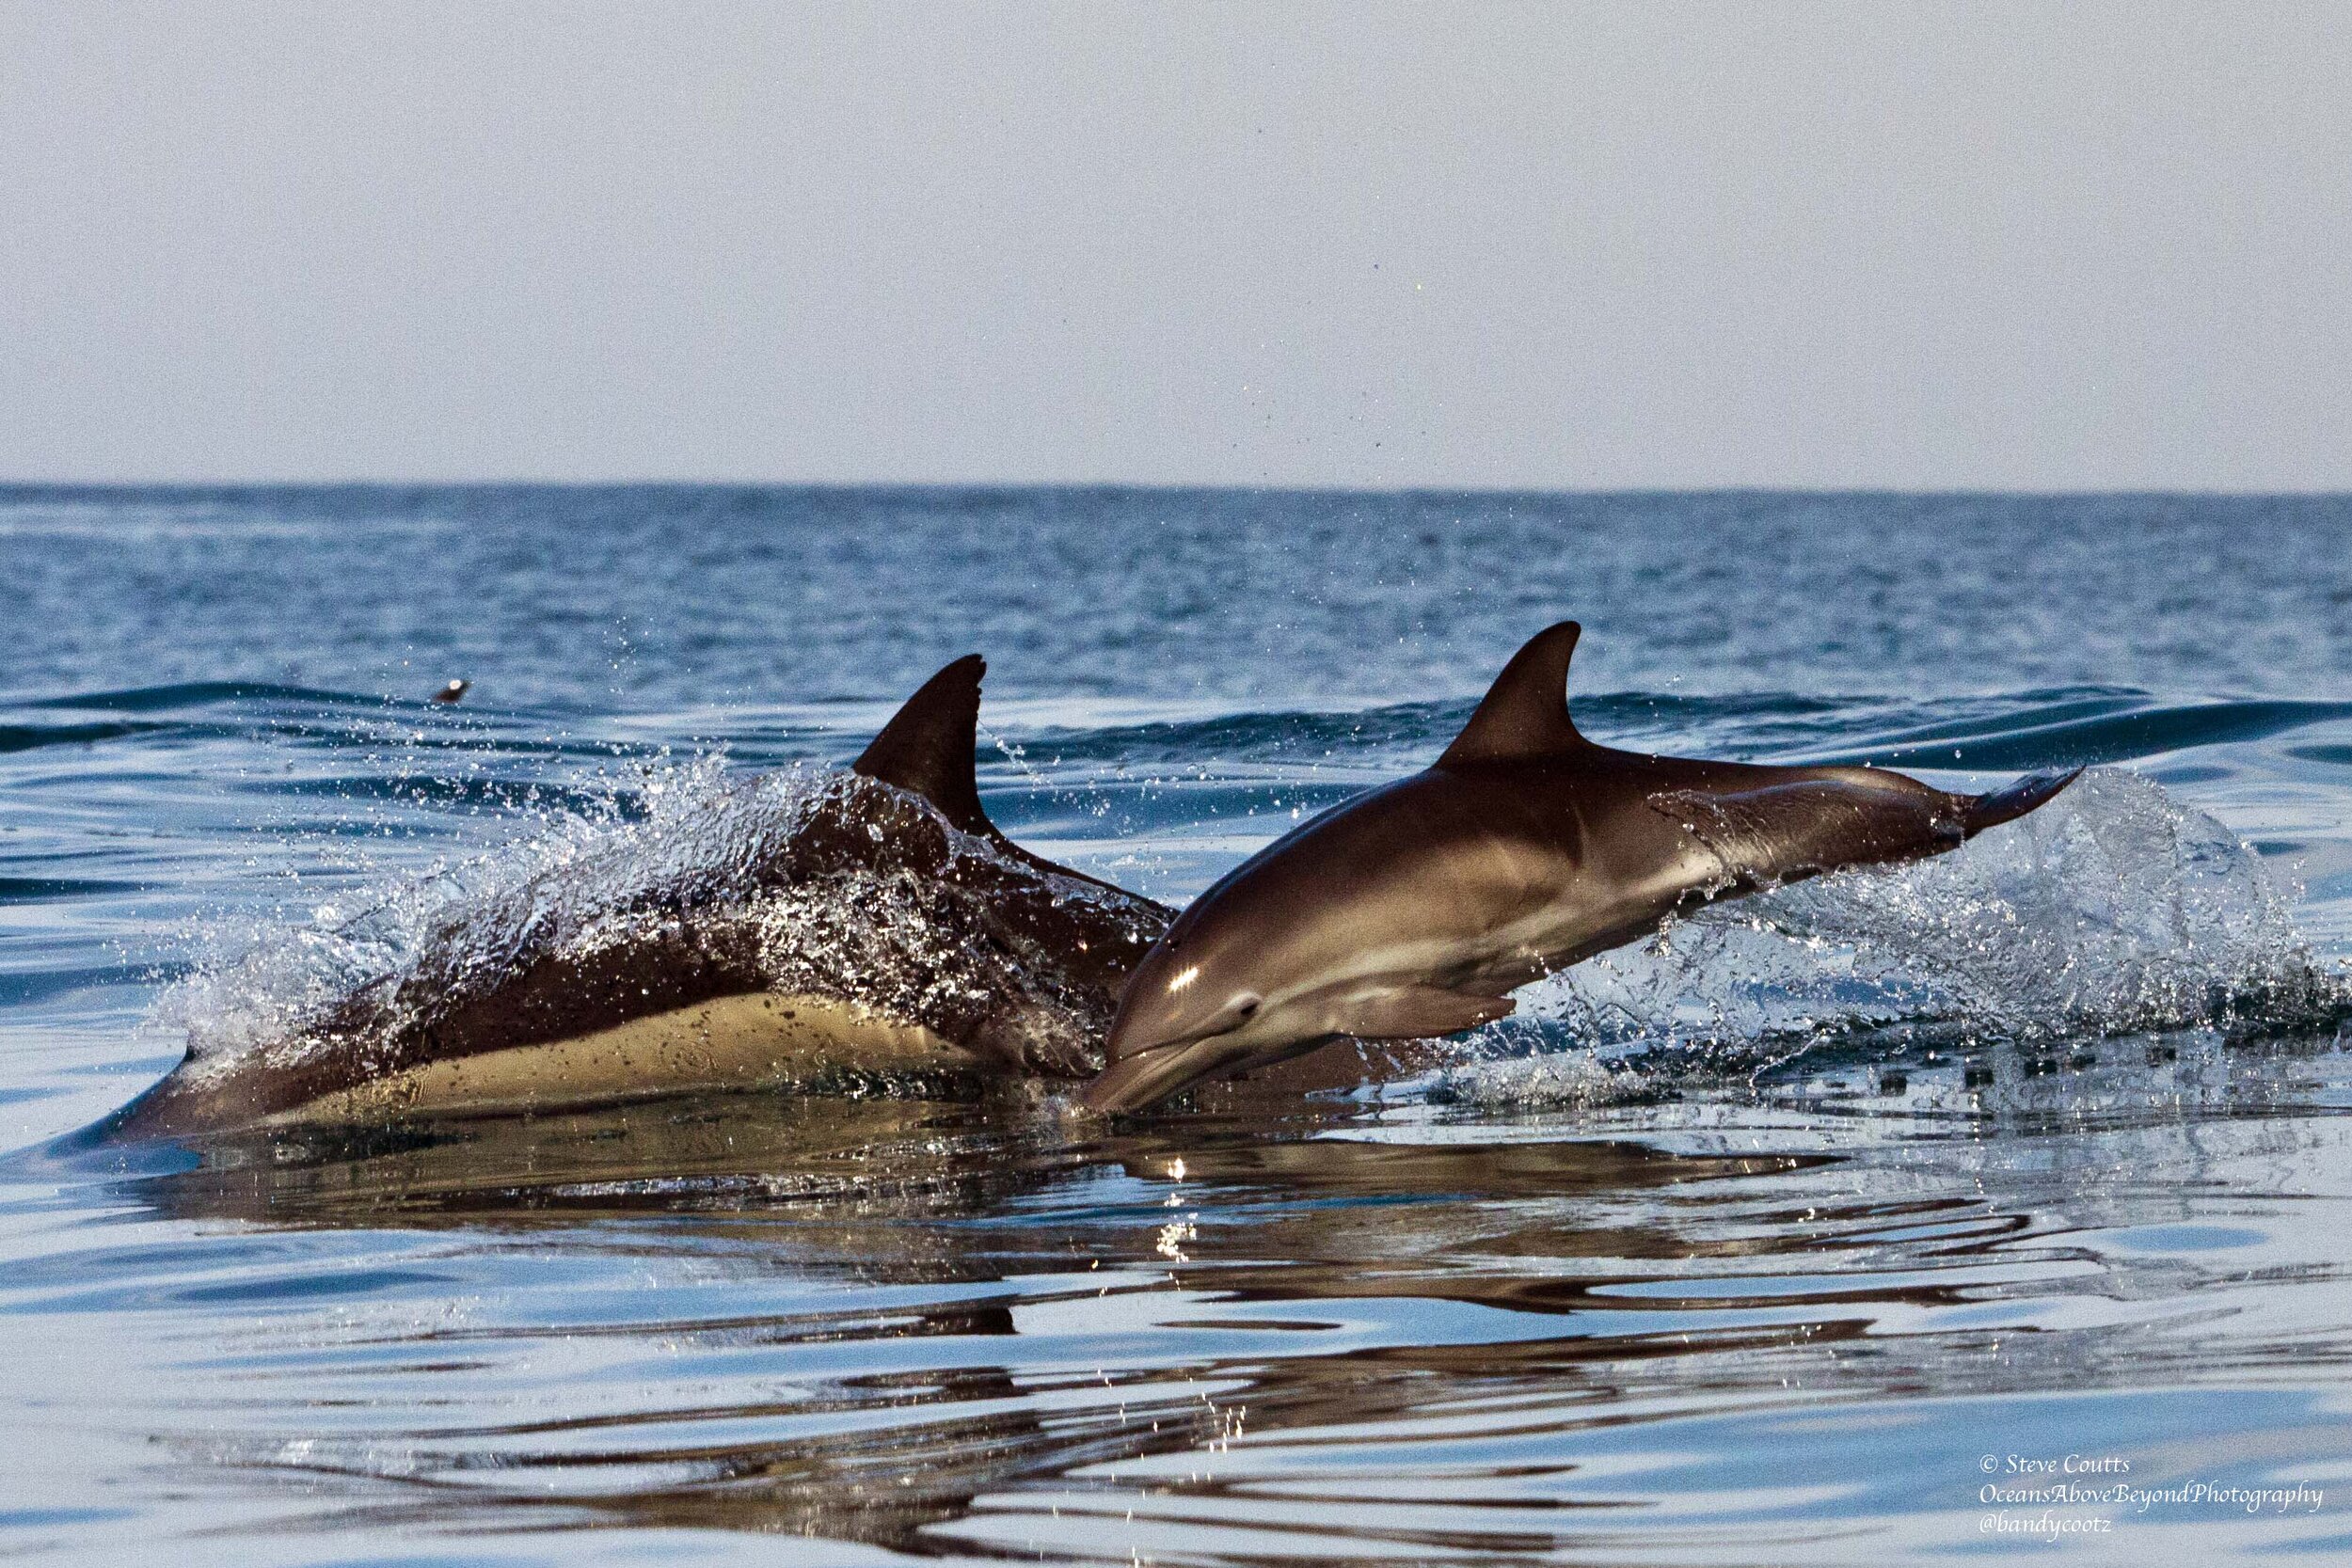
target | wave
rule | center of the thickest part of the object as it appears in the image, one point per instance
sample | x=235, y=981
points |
x=1292, y=734
x=531, y=795
x=323, y=721
x=2043, y=728
x=2072, y=735
x=24, y=987
x=191, y=698
x=187, y=694
x=33, y=737
x=42, y=890
x=2063, y=727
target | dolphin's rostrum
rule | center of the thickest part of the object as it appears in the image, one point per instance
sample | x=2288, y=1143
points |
x=1414, y=910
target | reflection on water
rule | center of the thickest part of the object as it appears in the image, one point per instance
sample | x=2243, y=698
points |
x=1741, y=1326
x=1862, y=1188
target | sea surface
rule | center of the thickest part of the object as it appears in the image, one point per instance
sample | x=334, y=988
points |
x=1997, y=1206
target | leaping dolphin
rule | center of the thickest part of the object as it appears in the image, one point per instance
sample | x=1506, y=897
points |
x=1413, y=909
x=890, y=927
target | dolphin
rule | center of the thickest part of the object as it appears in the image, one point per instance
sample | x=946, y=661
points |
x=1413, y=909
x=887, y=927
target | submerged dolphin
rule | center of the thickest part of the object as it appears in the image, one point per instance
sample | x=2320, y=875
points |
x=1413, y=909
x=887, y=927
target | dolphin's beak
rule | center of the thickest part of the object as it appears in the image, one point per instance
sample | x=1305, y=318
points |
x=1143, y=1076
x=1139, y=1081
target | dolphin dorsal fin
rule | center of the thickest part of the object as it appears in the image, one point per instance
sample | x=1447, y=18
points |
x=926, y=746
x=1525, y=713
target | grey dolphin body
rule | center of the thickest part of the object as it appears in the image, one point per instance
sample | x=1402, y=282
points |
x=1413, y=909
x=886, y=925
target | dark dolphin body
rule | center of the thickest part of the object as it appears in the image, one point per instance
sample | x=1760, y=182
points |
x=1412, y=911
x=892, y=928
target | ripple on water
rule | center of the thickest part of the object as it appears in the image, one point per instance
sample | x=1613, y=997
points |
x=1353, y=1330
x=1753, y=1246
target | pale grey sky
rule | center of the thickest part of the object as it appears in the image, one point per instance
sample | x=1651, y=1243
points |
x=2008, y=246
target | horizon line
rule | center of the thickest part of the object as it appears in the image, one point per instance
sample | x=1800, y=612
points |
x=9, y=487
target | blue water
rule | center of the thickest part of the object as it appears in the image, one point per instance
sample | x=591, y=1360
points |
x=1757, y=1244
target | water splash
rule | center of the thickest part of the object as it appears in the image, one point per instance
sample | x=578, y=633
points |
x=259, y=985
x=798, y=881
x=2114, y=909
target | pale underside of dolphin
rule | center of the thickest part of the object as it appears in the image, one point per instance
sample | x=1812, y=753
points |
x=1413, y=910
x=891, y=930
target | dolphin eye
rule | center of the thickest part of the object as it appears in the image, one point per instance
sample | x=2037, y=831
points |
x=1246, y=1006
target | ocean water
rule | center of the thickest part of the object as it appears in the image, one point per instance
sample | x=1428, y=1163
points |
x=1994, y=1206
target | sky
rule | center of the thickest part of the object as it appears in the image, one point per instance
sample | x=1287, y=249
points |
x=1561, y=247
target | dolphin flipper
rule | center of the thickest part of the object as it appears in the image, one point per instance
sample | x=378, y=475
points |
x=1420, y=1013
x=926, y=746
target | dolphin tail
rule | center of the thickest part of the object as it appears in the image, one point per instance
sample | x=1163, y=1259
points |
x=926, y=746
x=1840, y=818
x=2011, y=801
